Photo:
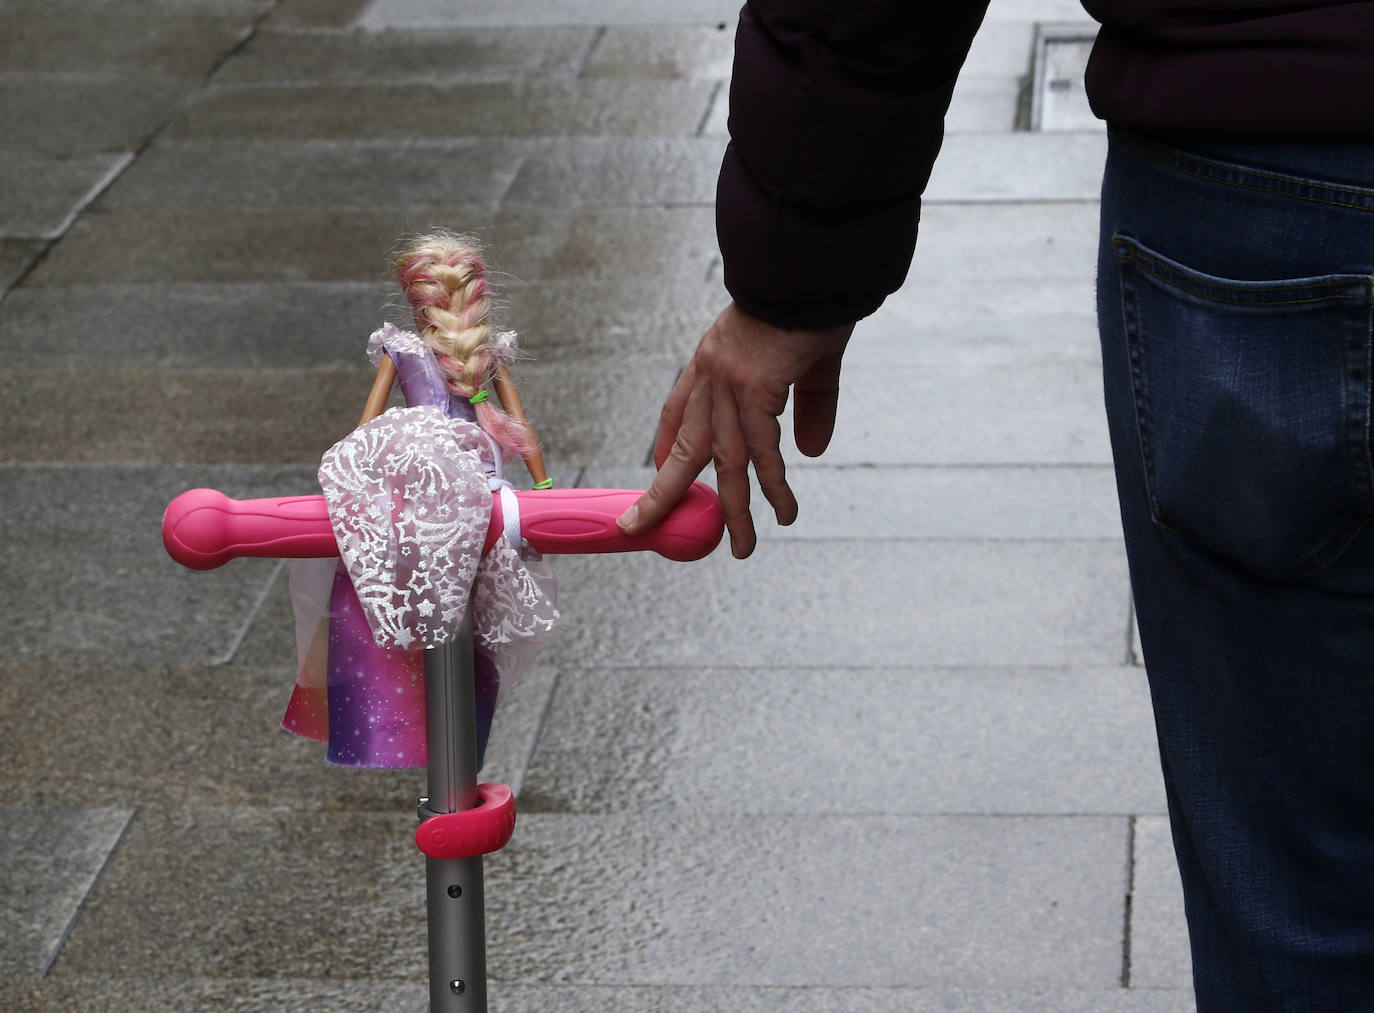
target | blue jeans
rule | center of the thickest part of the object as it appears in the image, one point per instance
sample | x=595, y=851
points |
x=1235, y=299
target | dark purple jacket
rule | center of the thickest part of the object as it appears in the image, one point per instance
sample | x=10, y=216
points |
x=837, y=113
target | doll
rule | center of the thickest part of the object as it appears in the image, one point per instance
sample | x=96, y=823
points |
x=409, y=495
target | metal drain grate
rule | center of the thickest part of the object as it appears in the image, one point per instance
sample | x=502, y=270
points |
x=1058, y=101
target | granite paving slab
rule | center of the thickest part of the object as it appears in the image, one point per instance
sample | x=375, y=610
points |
x=234, y=893
x=902, y=332
x=160, y=246
x=128, y=39
x=187, y=326
x=15, y=257
x=1034, y=412
x=519, y=13
x=982, y=103
x=838, y=603
x=829, y=901
x=673, y=52
x=59, y=114
x=487, y=108
x=50, y=857
x=1004, y=243
x=326, y=324
x=424, y=56
x=619, y=173
x=342, y=177
x=949, y=307
x=1027, y=501
x=190, y=416
x=1019, y=167
x=847, y=740
x=179, y=733
x=315, y=13
x=149, y=246
x=275, y=996
x=1159, y=929
x=99, y=584
x=44, y=193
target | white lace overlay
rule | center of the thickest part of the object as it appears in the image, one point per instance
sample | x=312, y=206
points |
x=410, y=503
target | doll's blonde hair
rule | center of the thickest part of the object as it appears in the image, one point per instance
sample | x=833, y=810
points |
x=445, y=281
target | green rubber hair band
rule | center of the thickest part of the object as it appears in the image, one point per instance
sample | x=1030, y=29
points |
x=478, y=398
x=546, y=484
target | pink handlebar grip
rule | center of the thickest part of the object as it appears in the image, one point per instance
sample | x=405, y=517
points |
x=583, y=520
x=203, y=529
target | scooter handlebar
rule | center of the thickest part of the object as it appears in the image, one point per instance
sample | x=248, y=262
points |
x=203, y=529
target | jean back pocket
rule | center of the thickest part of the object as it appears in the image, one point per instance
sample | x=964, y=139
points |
x=1252, y=401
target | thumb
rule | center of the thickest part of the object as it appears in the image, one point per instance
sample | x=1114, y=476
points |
x=817, y=396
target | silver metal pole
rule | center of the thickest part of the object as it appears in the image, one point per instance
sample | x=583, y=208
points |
x=454, y=898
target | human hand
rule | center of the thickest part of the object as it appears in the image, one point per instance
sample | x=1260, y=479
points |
x=725, y=407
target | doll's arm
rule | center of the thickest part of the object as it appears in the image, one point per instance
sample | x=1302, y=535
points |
x=510, y=400
x=381, y=390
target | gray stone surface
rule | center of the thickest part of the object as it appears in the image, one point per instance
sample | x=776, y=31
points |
x=927, y=502
x=123, y=37
x=326, y=324
x=168, y=246
x=15, y=257
x=265, y=174
x=249, y=995
x=59, y=114
x=489, y=108
x=734, y=898
x=928, y=603
x=1007, y=413
x=1159, y=930
x=99, y=586
x=848, y=741
x=411, y=13
x=50, y=856
x=180, y=417
x=279, y=326
x=256, y=893
x=620, y=173
x=982, y=103
x=683, y=52
x=196, y=735
x=1058, y=167
x=423, y=56
x=44, y=193
x=315, y=13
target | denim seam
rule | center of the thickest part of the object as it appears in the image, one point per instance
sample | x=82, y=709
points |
x=1185, y=284
x=1225, y=174
x=1131, y=259
x=1131, y=325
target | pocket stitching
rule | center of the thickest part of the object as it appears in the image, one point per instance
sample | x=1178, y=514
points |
x=1132, y=257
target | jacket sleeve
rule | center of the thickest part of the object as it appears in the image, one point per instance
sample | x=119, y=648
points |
x=836, y=115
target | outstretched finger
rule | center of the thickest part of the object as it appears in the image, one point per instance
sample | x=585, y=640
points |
x=731, y=455
x=763, y=436
x=816, y=398
x=670, y=419
x=688, y=453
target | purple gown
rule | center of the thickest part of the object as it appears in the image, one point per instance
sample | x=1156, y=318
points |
x=409, y=494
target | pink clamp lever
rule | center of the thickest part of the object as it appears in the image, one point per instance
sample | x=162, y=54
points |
x=203, y=529
x=481, y=830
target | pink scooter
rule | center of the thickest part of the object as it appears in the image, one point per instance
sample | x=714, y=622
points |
x=460, y=820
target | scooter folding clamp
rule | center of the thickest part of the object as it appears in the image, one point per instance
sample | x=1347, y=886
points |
x=485, y=828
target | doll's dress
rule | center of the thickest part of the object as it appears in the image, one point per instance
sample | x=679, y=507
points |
x=409, y=497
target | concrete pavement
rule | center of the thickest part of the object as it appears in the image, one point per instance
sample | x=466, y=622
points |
x=901, y=760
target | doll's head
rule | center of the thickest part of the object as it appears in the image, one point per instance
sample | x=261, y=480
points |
x=445, y=281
